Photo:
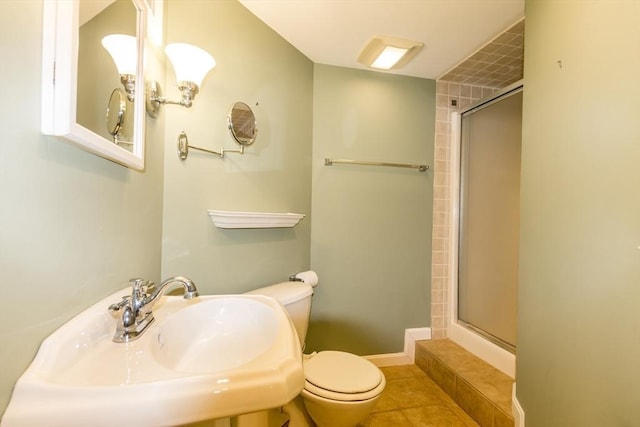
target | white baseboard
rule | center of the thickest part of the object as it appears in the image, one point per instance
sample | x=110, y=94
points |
x=408, y=356
x=388, y=359
x=492, y=354
x=411, y=336
x=516, y=409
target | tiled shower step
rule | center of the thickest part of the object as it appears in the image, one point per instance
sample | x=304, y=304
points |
x=477, y=387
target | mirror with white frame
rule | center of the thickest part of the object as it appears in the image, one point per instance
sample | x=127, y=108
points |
x=79, y=75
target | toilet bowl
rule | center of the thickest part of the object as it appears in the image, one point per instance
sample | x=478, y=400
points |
x=340, y=388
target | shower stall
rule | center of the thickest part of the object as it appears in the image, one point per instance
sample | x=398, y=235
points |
x=486, y=213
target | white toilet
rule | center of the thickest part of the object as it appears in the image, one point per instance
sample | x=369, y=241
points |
x=340, y=388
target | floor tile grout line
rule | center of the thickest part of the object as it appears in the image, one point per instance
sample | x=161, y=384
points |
x=443, y=401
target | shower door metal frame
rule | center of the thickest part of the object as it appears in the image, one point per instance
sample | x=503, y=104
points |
x=479, y=344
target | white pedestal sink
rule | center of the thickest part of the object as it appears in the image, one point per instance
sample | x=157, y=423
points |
x=207, y=358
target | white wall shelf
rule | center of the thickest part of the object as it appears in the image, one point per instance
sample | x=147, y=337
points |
x=234, y=219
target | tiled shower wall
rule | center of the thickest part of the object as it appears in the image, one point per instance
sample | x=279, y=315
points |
x=450, y=97
x=496, y=65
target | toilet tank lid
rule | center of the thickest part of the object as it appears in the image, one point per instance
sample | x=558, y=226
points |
x=285, y=292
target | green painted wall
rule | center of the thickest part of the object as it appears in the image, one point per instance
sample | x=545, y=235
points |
x=579, y=295
x=291, y=97
x=74, y=227
x=256, y=66
x=371, y=230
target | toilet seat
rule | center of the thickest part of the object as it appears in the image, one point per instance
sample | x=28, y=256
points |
x=342, y=376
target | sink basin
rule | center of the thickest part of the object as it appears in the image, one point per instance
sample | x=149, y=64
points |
x=211, y=357
x=238, y=330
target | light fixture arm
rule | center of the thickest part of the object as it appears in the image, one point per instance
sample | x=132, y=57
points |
x=189, y=91
x=191, y=64
x=129, y=83
x=183, y=148
x=154, y=98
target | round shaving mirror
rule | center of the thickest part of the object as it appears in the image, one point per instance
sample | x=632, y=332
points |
x=116, y=110
x=242, y=123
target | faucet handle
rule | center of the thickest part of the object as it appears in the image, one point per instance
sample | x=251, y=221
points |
x=136, y=283
x=116, y=307
x=138, y=289
x=141, y=286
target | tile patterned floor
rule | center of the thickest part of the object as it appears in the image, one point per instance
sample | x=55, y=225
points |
x=411, y=399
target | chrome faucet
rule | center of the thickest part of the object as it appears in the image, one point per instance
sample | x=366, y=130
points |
x=136, y=308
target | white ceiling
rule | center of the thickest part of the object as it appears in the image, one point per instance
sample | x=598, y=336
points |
x=335, y=31
x=90, y=8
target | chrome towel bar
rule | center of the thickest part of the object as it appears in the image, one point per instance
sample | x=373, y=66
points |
x=421, y=168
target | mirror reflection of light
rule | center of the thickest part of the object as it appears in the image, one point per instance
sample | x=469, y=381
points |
x=123, y=51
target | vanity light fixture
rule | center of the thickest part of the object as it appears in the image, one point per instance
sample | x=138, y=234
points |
x=386, y=52
x=123, y=51
x=191, y=64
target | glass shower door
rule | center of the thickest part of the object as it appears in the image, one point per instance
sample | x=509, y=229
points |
x=490, y=218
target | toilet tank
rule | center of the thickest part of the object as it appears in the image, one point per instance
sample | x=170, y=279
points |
x=295, y=297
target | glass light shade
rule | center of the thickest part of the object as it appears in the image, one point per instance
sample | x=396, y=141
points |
x=389, y=57
x=190, y=63
x=123, y=50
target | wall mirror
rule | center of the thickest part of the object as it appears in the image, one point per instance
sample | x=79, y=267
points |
x=79, y=75
x=242, y=123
